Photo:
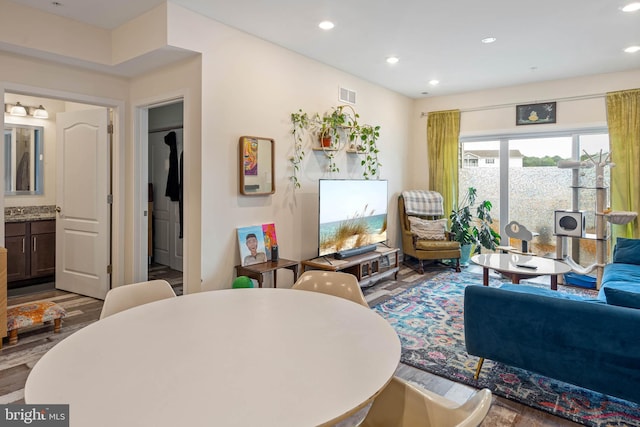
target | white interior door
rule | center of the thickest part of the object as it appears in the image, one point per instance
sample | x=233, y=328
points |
x=83, y=235
x=167, y=246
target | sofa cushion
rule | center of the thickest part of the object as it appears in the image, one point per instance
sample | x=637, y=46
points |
x=626, y=251
x=428, y=229
x=621, y=273
x=624, y=294
x=548, y=293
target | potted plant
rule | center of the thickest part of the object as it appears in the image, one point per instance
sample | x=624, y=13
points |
x=470, y=230
x=330, y=128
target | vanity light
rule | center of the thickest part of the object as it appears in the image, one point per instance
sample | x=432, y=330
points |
x=40, y=113
x=18, y=110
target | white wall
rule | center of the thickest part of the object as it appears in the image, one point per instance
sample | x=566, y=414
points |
x=250, y=87
x=580, y=103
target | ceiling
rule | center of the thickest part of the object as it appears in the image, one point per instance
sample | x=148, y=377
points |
x=434, y=40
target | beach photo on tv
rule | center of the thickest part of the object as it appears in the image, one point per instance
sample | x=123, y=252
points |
x=353, y=214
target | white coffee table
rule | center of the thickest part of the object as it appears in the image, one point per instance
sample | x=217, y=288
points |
x=238, y=357
x=513, y=265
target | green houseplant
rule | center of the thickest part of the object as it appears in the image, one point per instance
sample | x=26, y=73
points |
x=367, y=146
x=470, y=230
x=340, y=122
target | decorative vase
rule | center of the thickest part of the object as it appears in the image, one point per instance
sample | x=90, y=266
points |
x=465, y=254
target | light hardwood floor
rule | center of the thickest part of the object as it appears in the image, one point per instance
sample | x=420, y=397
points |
x=16, y=361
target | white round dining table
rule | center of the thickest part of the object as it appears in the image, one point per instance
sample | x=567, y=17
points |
x=236, y=357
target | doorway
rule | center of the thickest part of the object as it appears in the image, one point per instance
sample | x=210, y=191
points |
x=98, y=262
x=165, y=193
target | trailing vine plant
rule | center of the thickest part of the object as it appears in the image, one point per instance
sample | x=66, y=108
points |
x=368, y=147
x=300, y=122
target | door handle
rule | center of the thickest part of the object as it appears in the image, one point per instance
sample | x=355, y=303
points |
x=35, y=245
x=59, y=210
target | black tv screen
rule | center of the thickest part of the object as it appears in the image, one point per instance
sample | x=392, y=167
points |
x=353, y=214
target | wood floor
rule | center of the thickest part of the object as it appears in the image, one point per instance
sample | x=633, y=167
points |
x=16, y=361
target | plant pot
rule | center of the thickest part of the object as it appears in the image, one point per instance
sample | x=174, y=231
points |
x=325, y=141
x=465, y=254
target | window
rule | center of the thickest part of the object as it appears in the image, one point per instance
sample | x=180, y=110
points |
x=524, y=184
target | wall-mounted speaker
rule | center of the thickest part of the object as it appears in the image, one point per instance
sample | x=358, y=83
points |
x=569, y=223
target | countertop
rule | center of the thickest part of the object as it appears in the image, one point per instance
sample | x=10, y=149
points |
x=29, y=217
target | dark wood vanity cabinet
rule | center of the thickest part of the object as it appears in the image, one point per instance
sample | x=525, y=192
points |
x=31, y=249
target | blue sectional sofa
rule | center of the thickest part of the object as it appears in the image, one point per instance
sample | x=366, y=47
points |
x=592, y=343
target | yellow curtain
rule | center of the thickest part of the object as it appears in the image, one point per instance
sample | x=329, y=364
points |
x=623, y=119
x=443, y=130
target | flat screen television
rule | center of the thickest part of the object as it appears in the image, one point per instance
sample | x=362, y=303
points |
x=353, y=216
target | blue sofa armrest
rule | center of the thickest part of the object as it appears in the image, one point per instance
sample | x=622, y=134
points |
x=592, y=345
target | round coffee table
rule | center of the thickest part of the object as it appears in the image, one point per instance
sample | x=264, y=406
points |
x=520, y=267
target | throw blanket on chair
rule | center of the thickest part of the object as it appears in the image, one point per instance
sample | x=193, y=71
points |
x=422, y=202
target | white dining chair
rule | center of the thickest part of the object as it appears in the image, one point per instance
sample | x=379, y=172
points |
x=402, y=404
x=128, y=296
x=335, y=283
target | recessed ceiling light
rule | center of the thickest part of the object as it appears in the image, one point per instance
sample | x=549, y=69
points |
x=393, y=60
x=632, y=49
x=326, y=25
x=56, y=4
x=488, y=40
x=424, y=93
x=631, y=7
x=434, y=82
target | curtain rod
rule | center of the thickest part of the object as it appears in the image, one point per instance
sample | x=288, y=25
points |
x=498, y=106
x=166, y=129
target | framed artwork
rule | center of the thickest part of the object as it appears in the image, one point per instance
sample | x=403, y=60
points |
x=535, y=114
x=251, y=244
x=256, y=243
x=270, y=238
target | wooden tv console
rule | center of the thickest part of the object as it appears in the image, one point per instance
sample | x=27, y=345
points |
x=368, y=267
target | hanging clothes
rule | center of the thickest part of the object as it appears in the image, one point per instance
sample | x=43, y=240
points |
x=180, y=203
x=173, y=180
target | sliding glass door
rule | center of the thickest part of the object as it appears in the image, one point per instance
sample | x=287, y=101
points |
x=521, y=178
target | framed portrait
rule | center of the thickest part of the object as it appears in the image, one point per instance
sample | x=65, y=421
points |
x=536, y=114
x=251, y=244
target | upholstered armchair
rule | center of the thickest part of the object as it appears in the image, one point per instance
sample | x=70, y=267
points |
x=424, y=233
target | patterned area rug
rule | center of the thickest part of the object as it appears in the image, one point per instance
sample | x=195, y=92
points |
x=430, y=322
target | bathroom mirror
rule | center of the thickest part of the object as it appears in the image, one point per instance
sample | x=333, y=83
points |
x=256, y=166
x=23, y=160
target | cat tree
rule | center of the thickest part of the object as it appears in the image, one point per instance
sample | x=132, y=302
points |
x=603, y=214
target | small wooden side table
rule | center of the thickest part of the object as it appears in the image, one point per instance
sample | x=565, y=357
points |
x=257, y=271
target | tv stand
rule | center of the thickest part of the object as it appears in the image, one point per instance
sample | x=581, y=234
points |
x=368, y=267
